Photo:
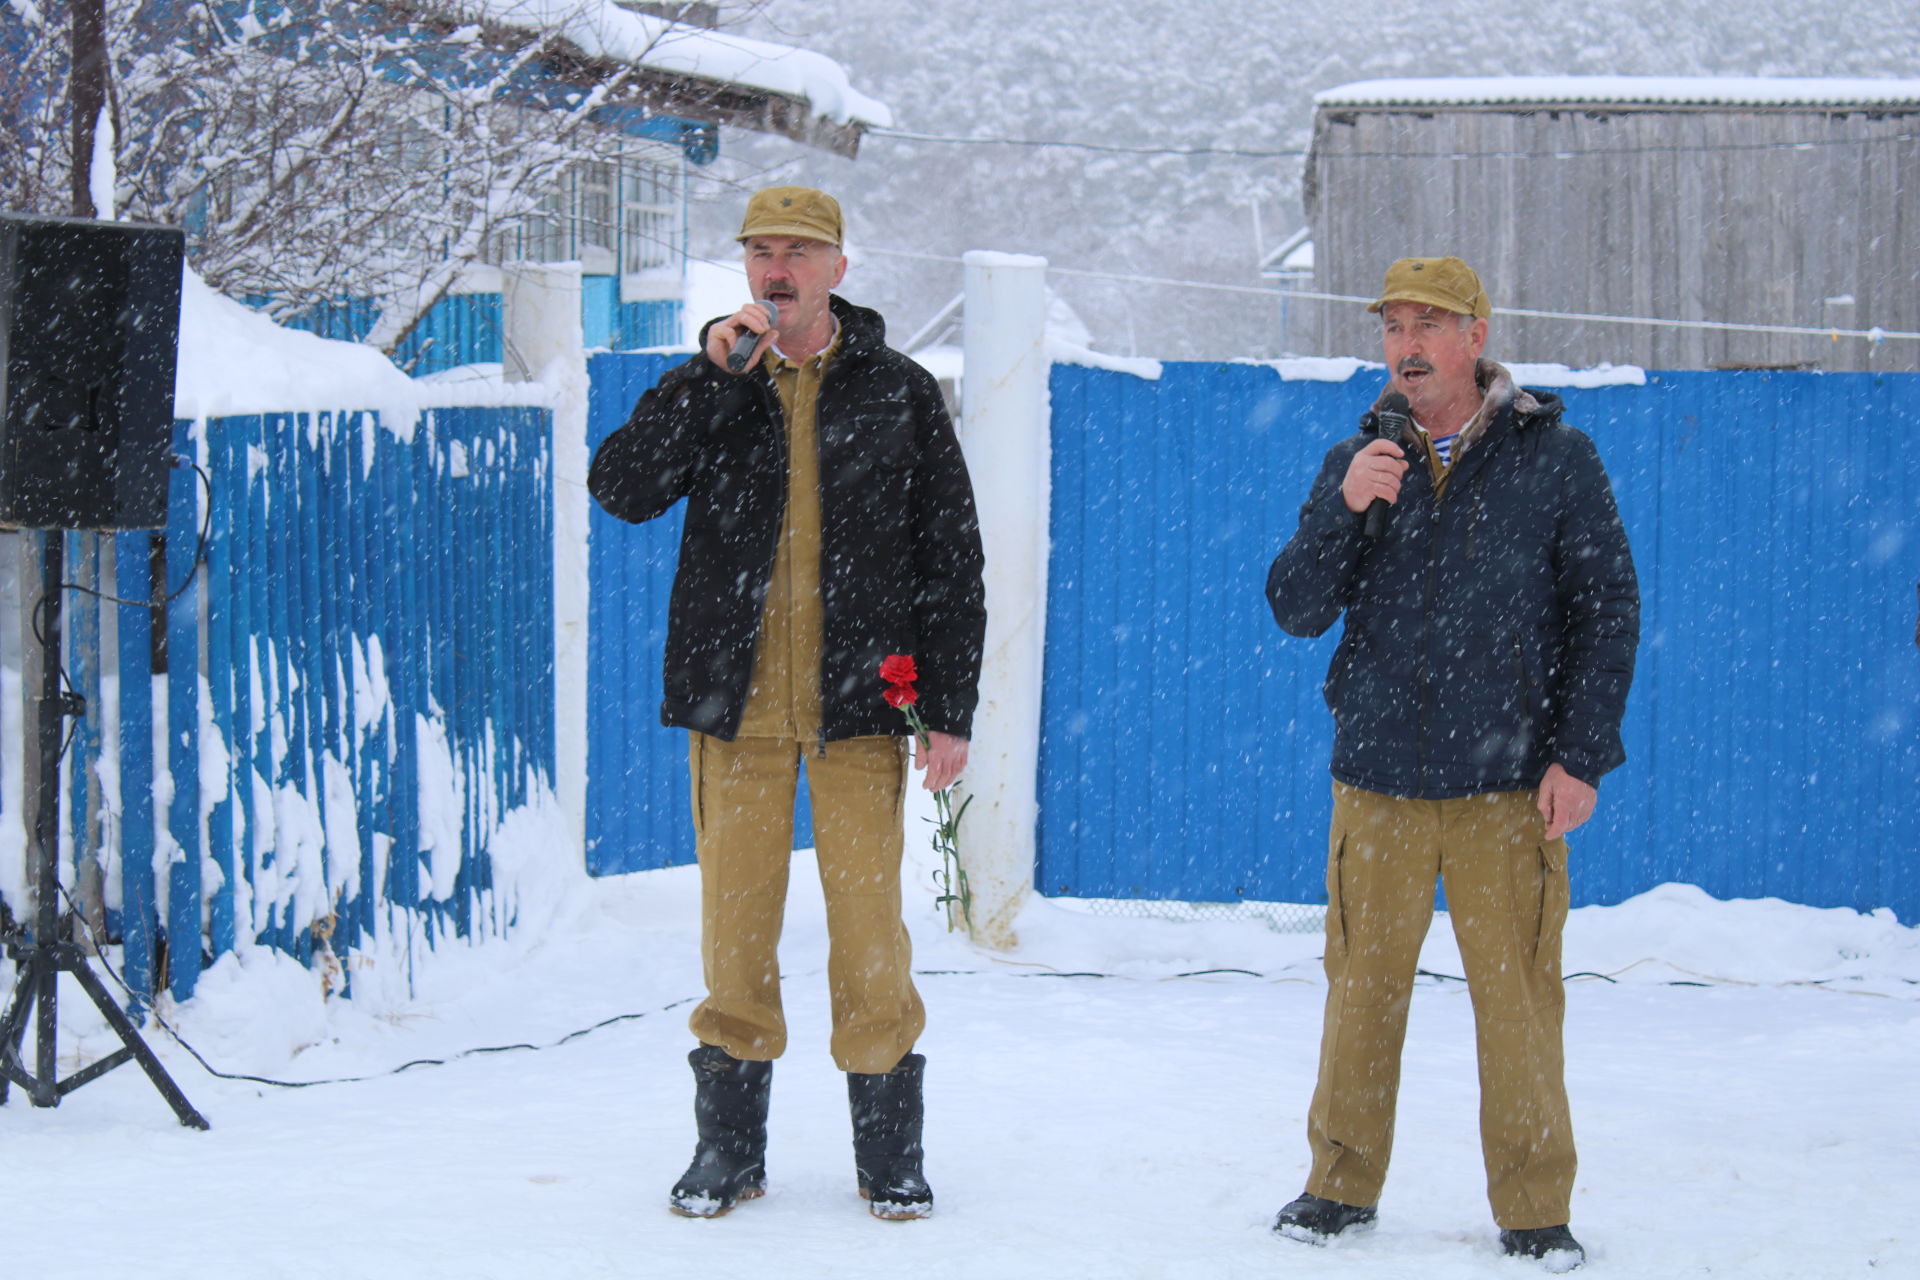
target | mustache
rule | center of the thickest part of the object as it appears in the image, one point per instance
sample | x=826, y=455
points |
x=1412, y=363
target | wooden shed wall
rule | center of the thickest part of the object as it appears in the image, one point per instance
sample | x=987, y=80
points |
x=1680, y=213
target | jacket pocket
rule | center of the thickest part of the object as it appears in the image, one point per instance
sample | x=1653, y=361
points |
x=1337, y=673
x=878, y=435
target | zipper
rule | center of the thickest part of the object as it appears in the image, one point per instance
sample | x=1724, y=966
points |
x=1426, y=639
x=769, y=401
x=830, y=374
x=1522, y=679
x=1473, y=523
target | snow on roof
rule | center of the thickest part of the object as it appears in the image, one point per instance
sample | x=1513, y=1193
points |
x=1717, y=91
x=601, y=29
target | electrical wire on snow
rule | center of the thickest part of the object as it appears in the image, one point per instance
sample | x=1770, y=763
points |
x=1039, y=971
x=173, y=1033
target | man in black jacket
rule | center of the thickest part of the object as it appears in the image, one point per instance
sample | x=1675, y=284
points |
x=1477, y=693
x=829, y=524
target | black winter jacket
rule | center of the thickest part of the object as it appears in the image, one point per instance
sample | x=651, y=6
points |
x=1489, y=633
x=900, y=558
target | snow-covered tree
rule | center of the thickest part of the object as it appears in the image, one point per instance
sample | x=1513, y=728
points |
x=317, y=153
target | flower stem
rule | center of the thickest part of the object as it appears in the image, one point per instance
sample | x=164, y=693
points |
x=951, y=878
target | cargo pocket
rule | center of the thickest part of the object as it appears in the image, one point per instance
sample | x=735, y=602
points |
x=902, y=778
x=697, y=756
x=1554, y=896
x=1336, y=899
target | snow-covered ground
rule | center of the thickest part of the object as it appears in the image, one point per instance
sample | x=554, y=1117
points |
x=1742, y=1088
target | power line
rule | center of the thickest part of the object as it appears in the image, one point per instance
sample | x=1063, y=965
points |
x=1875, y=335
x=1298, y=153
x=1086, y=146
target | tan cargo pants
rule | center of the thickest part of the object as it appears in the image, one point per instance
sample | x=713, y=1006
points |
x=743, y=793
x=1507, y=897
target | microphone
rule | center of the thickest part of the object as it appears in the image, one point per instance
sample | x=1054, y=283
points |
x=1392, y=418
x=744, y=344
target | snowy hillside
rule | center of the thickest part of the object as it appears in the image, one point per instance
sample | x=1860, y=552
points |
x=1171, y=74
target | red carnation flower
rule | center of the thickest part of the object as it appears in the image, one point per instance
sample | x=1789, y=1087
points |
x=898, y=671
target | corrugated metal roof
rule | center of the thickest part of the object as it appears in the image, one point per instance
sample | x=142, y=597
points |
x=1705, y=91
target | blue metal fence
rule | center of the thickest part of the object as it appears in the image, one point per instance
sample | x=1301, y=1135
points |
x=465, y=328
x=1774, y=729
x=355, y=691
x=637, y=778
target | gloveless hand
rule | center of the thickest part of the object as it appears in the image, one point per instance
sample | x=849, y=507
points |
x=943, y=759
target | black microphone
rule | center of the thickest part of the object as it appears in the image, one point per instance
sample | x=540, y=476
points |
x=744, y=344
x=1392, y=417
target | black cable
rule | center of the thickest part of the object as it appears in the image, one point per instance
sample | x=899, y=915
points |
x=100, y=954
x=199, y=558
x=36, y=619
x=483, y=1050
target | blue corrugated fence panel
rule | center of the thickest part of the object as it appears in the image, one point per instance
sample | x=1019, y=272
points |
x=81, y=612
x=1166, y=731
x=183, y=725
x=637, y=785
x=460, y=329
x=637, y=793
x=1774, y=731
x=353, y=585
x=654, y=323
x=134, y=660
x=220, y=466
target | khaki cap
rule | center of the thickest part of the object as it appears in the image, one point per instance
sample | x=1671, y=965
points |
x=1447, y=283
x=793, y=211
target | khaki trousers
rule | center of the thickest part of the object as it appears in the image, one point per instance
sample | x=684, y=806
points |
x=1507, y=896
x=743, y=793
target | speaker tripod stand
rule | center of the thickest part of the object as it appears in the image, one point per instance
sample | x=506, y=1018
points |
x=49, y=950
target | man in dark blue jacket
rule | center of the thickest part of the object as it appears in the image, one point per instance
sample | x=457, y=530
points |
x=1477, y=694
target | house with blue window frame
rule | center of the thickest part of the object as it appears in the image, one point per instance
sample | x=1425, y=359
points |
x=625, y=220
x=655, y=82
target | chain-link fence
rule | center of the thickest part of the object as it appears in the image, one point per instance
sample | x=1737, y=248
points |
x=1281, y=917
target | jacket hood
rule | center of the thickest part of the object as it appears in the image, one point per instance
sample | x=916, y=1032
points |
x=1498, y=392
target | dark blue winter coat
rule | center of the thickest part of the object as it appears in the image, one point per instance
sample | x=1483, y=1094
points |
x=1490, y=632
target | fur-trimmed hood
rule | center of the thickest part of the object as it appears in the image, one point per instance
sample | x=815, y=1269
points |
x=1497, y=391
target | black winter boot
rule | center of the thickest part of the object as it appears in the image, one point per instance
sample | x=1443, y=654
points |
x=888, y=1108
x=1314, y=1219
x=1555, y=1247
x=730, y=1113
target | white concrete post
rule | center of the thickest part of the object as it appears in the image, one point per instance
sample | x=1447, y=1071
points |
x=1004, y=429
x=544, y=342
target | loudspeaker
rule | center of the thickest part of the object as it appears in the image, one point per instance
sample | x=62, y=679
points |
x=89, y=333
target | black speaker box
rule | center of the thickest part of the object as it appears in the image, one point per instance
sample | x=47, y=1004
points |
x=89, y=332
